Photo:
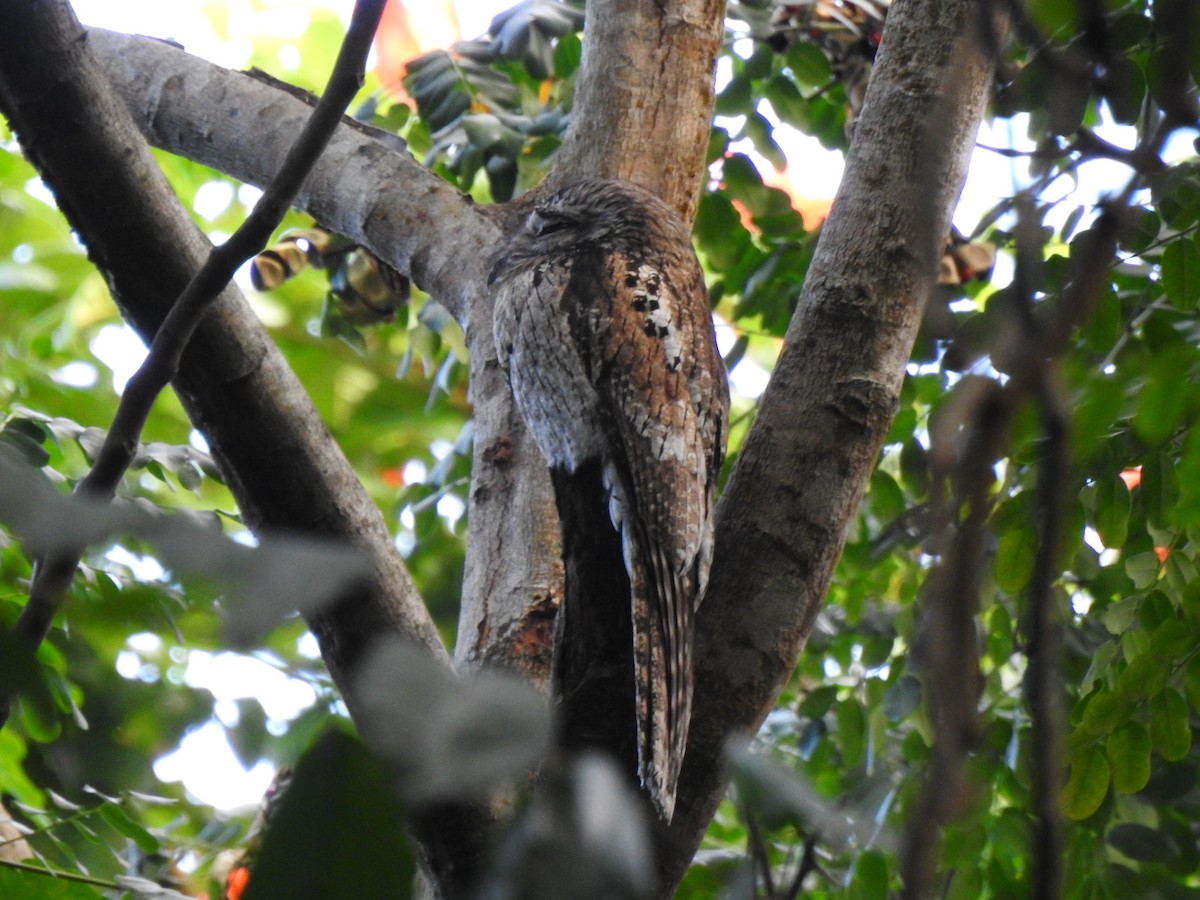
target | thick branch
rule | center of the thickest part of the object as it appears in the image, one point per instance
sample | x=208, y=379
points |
x=53, y=576
x=822, y=421
x=367, y=189
x=280, y=461
x=643, y=101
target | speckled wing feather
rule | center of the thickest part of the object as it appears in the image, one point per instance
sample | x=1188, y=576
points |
x=650, y=355
x=603, y=324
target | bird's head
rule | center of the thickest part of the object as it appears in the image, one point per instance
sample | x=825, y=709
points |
x=594, y=213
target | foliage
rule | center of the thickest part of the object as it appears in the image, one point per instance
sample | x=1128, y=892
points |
x=826, y=794
x=500, y=102
x=857, y=729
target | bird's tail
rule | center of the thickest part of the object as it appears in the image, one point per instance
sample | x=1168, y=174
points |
x=622, y=652
x=662, y=599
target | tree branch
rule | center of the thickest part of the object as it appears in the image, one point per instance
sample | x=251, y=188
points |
x=365, y=188
x=828, y=407
x=279, y=460
x=53, y=576
x=643, y=100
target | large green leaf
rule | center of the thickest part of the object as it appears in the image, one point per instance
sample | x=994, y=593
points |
x=1087, y=785
x=338, y=831
x=1128, y=751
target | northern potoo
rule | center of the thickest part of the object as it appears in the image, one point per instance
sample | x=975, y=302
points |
x=603, y=324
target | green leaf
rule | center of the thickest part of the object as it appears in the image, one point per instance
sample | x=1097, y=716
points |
x=1159, y=489
x=719, y=231
x=1104, y=711
x=1173, y=639
x=1143, y=228
x=12, y=773
x=118, y=819
x=1142, y=569
x=852, y=731
x=1113, y=503
x=1087, y=785
x=1141, y=843
x=1127, y=92
x=1143, y=677
x=1135, y=643
x=17, y=885
x=1103, y=326
x=1015, y=555
x=819, y=701
x=1181, y=272
x=1128, y=750
x=809, y=65
x=870, y=877
x=1121, y=615
x=887, y=499
x=1161, y=400
x=1102, y=660
x=1192, y=682
x=338, y=832
x=483, y=130
x=22, y=674
x=567, y=54
x=30, y=448
x=785, y=98
x=1055, y=18
x=915, y=467
x=1170, y=730
x=736, y=97
x=759, y=130
x=965, y=884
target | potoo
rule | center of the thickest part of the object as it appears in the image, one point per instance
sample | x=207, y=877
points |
x=603, y=324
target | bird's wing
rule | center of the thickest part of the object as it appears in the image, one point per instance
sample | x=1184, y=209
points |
x=647, y=333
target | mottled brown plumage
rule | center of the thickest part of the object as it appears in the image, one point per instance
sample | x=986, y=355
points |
x=603, y=323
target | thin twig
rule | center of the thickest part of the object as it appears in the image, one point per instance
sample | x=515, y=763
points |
x=53, y=576
x=1041, y=633
x=60, y=874
x=757, y=846
x=808, y=863
x=1089, y=143
x=954, y=599
x=1043, y=647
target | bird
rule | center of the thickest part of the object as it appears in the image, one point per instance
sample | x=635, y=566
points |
x=602, y=323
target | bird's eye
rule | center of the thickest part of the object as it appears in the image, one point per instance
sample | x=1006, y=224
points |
x=548, y=226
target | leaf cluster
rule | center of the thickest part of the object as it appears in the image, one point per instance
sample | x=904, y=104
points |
x=833, y=787
x=499, y=103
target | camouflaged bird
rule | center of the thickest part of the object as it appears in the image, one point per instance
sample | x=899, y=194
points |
x=603, y=324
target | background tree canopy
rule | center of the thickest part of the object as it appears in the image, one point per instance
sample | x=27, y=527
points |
x=981, y=680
